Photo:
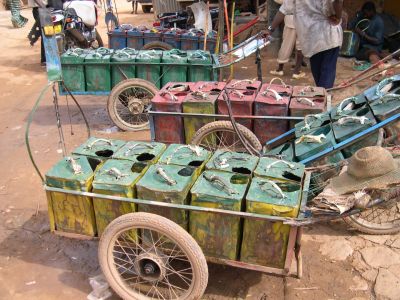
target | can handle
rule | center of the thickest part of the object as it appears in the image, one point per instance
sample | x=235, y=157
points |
x=115, y=172
x=307, y=89
x=306, y=100
x=383, y=84
x=268, y=167
x=249, y=81
x=340, y=107
x=172, y=96
x=274, y=186
x=103, y=50
x=308, y=138
x=307, y=126
x=219, y=183
x=199, y=95
x=90, y=146
x=277, y=78
x=76, y=168
x=386, y=98
x=274, y=93
x=237, y=93
x=137, y=145
x=161, y=172
x=351, y=119
x=199, y=54
x=126, y=27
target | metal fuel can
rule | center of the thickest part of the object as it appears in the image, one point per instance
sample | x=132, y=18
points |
x=72, y=213
x=99, y=148
x=171, y=37
x=218, y=235
x=176, y=66
x=115, y=178
x=97, y=70
x=169, y=184
x=141, y=152
x=284, y=151
x=134, y=38
x=152, y=35
x=389, y=85
x=73, y=70
x=123, y=71
x=169, y=129
x=200, y=66
x=265, y=243
x=233, y=162
x=279, y=170
x=117, y=38
x=189, y=40
x=386, y=107
x=272, y=100
x=311, y=123
x=148, y=66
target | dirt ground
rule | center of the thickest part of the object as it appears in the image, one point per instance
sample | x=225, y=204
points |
x=35, y=264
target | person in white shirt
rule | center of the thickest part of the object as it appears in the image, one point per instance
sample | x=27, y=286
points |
x=319, y=32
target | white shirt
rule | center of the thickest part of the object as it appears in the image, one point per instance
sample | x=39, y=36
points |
x=314, y=31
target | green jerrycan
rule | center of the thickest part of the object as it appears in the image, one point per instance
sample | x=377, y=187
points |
x=312, y=122
x=72, y=213
x=186, y=155
x=284, y=151
x=218, y=235
x=279, y=170
x=241, y=163
x=148, y=66
x=347, y=107
x=115, y=178
x=386, y=107
x=99, y=148
x=73, y=71
x=200, y=66
x=168, y=184
x=127, y=68
x=386, y=86
x=351, y=124
x=144, y=152
x=175, y=66
x=265, y=242
x=98, y=71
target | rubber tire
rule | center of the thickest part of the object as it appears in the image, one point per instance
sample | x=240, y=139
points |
x=168, y=228
x=157, y=45
x=361, y=228
x=117, y=90
x=146, y=9
x=218, y=125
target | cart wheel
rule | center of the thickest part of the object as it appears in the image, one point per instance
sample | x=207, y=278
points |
x=129, y=102
x=146, y=256
x=222, y=135
x=157, y=45
x=380, y=219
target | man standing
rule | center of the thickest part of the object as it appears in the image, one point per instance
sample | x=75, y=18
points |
x=319, y=32
x=36, y=30
x=371, y=37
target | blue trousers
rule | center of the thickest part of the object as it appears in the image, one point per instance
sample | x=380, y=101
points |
x=323, y=67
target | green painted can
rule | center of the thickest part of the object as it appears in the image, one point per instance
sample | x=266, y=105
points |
x=169, y=184
x=241, y=163
x=196, y=72
x=142, y=152
x=122, y=72
x=150, y=70
x=99, y=148
x=279, y=170
x=264, y=242
x=97, y=70
x=309, y=145
x=284, y=151
x=352, y=123
x=218, y=235
x=311, y=122
x=73, y=71
x=72, y=213
x=171, y=72
x=115, y=178
x=347, y=107
x=386, y=107
x=186, y=156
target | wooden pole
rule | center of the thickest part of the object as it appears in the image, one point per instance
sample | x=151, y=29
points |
x=221, y=29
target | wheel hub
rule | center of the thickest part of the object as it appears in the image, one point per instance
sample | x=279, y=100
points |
x=150, y=267
x=135, y=106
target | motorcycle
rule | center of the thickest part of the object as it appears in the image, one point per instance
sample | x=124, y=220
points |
x=75, y=25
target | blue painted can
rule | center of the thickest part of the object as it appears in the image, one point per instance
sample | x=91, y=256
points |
x=151, y=35
x=189, y=41
x=134, y=39
x=117, y=38
x=172, y=37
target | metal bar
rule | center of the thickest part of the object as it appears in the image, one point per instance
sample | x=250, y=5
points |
x=102, y=93
x=355, y=138
x=111, y=63
x=245, y=215
x=163, y=113
x=152, y=128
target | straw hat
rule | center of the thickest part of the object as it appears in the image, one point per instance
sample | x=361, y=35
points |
x=370, y=167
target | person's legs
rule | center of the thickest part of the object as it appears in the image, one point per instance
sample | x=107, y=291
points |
x=328, y=68
x=299, y=61
x=288, y=42
x=315, y=65
x=35, y=13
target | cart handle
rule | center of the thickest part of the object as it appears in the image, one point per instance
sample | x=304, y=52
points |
x=77, y=168
x=161, y=172
x=340, y=107
x=277, y=78
x=351, y=119
x=274, y=93
x=311, y=139
x=274, y=186
x=137, y=145
x=90, y=146
x=268, y=167
x=220, y=183
x=115, y=173
x=306, y=100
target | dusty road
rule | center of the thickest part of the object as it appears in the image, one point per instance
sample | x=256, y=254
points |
x=35, y=264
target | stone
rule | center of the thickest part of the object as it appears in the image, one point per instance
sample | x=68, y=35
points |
x=380, y=256
x=358, y=263
x=395, y=269
x=377, y=239
x=370, y=275
x=336, y=249
x=387, y=286
x=359, y=284
x=396, y=244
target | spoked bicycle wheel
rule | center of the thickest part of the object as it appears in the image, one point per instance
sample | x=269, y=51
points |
x=146, y=256
x=129, y=103
x=221, y=135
